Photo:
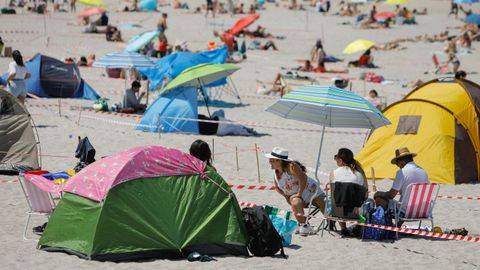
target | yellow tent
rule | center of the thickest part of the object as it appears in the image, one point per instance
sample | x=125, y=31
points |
x=440, y=122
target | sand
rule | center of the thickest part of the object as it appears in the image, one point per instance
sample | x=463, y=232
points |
x=58, y=134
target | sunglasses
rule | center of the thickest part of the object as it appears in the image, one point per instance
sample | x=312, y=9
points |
x=335, y=157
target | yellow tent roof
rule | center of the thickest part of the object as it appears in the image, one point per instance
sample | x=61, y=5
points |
x=456, y=98
x=440, y=104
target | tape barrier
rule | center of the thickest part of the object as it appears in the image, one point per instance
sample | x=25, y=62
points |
x=121, y=123
x=115, y=114
x=249, y=180
x=252, y=124
x=28, y=154
x=251, y=187
x=8, y=181
x=459, y=198
x=444, y=236
x=19, y=32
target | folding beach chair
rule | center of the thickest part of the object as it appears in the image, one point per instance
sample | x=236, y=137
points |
x=417, y=205
x=40, y=203
x=439, y=69
x=314, y=210
x=336, y=212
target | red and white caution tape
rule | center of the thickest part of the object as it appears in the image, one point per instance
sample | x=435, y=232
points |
x=445, y=236
x=115, y=114
x=8, y=181
x=246, y=187
x=246, y=204
x=459, y=198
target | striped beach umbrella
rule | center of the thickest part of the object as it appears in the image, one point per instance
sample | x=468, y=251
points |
x=124, y=60
x=330, y=107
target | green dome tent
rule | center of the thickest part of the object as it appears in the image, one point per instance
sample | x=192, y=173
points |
x=146, y=202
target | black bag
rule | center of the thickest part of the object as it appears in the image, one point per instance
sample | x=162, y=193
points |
x=264, y=239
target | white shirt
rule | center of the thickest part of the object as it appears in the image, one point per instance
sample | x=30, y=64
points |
x=346, y=175
x=411, y=173
x=20, y=72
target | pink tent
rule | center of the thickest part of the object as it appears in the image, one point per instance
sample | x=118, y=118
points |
x=95, y=180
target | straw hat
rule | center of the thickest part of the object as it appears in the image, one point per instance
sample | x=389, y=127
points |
x=279, y=153
x=402, y=152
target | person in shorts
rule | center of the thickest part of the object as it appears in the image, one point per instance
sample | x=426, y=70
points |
x=17, y=74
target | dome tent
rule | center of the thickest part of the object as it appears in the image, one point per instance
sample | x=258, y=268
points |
x=439, y=121
x=53, y=78
x=19, y=147
x=146, y=202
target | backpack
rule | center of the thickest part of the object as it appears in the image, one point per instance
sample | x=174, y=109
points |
x=263, y=238
x=377, y=216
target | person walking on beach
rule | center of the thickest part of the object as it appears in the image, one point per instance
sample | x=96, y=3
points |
x=162, y=24
x=17, y=74
x=453, y=9
x=409, y=173
x=210, y=7
x=73, y=7
x=292, y=182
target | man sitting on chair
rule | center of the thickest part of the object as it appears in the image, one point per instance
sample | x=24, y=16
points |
x=131, y=104
x=409, y=173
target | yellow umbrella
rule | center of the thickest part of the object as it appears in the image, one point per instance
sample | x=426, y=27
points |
x=357, y=46
x=396, y=2
x=94, y=3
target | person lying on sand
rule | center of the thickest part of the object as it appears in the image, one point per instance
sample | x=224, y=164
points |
x=218, y=125
x=257, y=45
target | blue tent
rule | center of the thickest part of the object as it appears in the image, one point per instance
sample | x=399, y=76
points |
x=55, y=79
x=148, y=5
x=181, y=103
x=171, y=66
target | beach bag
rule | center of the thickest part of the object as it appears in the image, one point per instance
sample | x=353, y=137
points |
x=285, y=227
x=377, y=216
x=283, y=223
x=263, y=238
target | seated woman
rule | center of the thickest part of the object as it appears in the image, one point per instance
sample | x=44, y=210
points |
x=365, y=60
x=295, y=186
x=201, y=150
x=349, y=171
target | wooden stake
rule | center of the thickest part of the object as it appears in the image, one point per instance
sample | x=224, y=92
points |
x=213, y=149
x=79, y=116
x=258, y=164
x=374, y=186
x=60, y=107
x=236, y=158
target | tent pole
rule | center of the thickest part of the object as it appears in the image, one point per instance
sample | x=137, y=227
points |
x=319, y=152
x=204, y=97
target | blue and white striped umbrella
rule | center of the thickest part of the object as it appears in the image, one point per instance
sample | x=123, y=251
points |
x=124, y=60
x=330, y=107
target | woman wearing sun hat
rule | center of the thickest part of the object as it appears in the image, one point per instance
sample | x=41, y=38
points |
x=292, y=182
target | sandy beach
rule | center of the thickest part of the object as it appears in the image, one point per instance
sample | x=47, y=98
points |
x=58, y=35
